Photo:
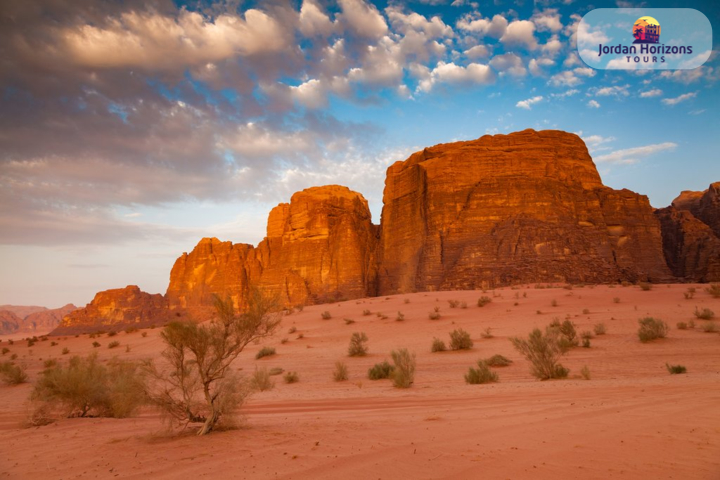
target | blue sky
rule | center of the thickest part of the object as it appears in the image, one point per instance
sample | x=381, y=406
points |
x=129, y=130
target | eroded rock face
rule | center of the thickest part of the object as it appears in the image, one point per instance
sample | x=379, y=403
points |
x=320, y=245
x=705, y=206
x=115, y=310
x=503, y=209
x=9, y=322
x=692, y=249
x=37, y=320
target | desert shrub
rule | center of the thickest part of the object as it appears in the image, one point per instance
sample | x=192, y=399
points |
x=616, y=299
x=690, y=294
x=487, y=333
x=400, y=317
x=586, y=334
x=5, y=350
x=714, y=290
x=300, y=336
x=380, y=371
x=543, y=351
x=143, y=334
x=326, y=315
x=366, y=313
x=49, y=363
x=645, y=286
x=96, y=344
x=709, y=327
x=65, y=351
x=434, y=315
x=13, y=356
x=264, y=352
x=291, y=377
x=586, y=342
x=460, y=340
x=482, y=301
x=585, y=373
x=292, y=330
x=691, y=324
x=436, y=309
x=30, y=342
x=85, y=387
x=358, y=345
x=261, y=381
x=276, y=371
x=682, y=326
x=404, y=370
x=284, y=341
x=454, y=303
x=112, y=333
x=53, y=344
x=585, y=311
x=131, y=330
x=406, y=301
x=114, y=344
x=497, y=361
x=704, y=314
x=348, y=321
x=566, y=334
x=199, y=386
x=651, y=329
x=675, y=369
x=11, y=341
x=481, y=374
x=554, y=303
x=340, y=373
x=12, y=374
x=599, y=329
x=299, y=307
x=438, y=345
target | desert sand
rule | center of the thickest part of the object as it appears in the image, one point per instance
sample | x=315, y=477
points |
x=631, y=420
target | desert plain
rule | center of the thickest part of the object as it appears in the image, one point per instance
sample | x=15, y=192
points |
x=630, y=420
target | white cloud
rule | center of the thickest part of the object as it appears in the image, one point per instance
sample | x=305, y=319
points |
x=310, y=94
x=536, y=63
x=615, y=90
x=313, y=21
x=483, y=26
x=568, y=93
x=691, y=76
x=681, y=98
x=363, y=19
x=565, y=78
x=552, y=46
x=509, y=63
x=655, y=92
x=548, y=20
x=450, y=73
x=596, y=142
x=632, y=155
x=526, y=104
x=478, y=51
x=520, y=33
x=593, y=104
x=403, y=23
x=585, y=72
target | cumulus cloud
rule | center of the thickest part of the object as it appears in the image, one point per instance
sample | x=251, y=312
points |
x=484, y=26
x=313, y=22
x=450, y=73
x=681, y=98
x=536, y=64
x=655, y=92
x=363, y=19
x=615, y=91
x=564, y=78
x=547, y=20
x=629, y=156
x=478, y=51
x=526, y=104
x=520, y=33
x=510, y=64
x=593, y=104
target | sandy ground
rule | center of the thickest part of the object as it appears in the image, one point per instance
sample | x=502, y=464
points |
x=632, y=420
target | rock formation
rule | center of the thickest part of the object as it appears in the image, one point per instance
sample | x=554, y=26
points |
x=34, y=320
x=115, y=310
x=9, y=322
x=321, y=245
x=504, y=209
x=705, y=206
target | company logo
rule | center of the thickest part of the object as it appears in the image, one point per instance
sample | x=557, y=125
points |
x=646, y=30
x=603, y=38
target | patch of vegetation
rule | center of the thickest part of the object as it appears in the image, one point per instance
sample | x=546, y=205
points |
x=675, y=369
x=5, y=350
x=12, y=374
x=543, y=351
x=326, y=315
x=497, y=361
x=566, y=334
x=261, y=381
x=143, y=334
x=348, y=321
x=651, y=329
x=366, y=313
x=690, y=293
x=380, y=371
x=682, y=326
x=358, y=345
x=463, y=305
x=112, y=333
x=487, y=333
x=554, y=303
x=292, y=329
x=481, y=374
x=434, y=315
x=404, y=369
x=585, y=373
x=265, y=352
x=438, y=345
x=276, y=371
x=65, y=351
x=482, y=301
x=454, y=303
x=291, y=377
x=645, y=286
x=714, y=290
x=616, y=299
x=114, y=344
x=710, y=327
x=585, y=311
x=400, y=317
x=704, y=314
x=599, y=329
x=49, y=363
x=460, y=340
x=340, y=374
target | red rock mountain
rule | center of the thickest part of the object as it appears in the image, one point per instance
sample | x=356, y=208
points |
x=520, y=208
x=34, y=320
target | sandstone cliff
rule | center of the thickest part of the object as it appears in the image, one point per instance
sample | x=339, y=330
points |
x=705, y=206
x=115, y=310
x=319, y=246
x=36, y=320
x=504, y=209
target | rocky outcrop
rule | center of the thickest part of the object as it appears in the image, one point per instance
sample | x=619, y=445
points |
x=115, y=310
x=319, y=246
x=9, y=322
x=23, y=311
x=705, y=206
x=37, y=320
x=691, y=248
x=504, y=209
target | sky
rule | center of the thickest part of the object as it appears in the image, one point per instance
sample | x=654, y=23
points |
x=131, y=129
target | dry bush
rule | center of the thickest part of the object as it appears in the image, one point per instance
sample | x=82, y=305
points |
x=487, y=333
x=714, y=290
x=291, y=377
x=12, y=374
x=645, y=287
x=264, y=352
x=497, y=361
x=616, y=299
x=710, y=327
x=326, y=315
x=434, y=315
x=543, y=351
x=460, y=340
x=704, y=314
x=340, y=374
x=199, y=385
x=5, y=350
x=276, y=371
x=348, y=321
x=400, y=317
x=358, y=345
x=261, y=380
x=65, y=351
x=84, y=387
x=480, y=375
x=651, y=329
x=454, y=303
x=438, y=345
x=404, y=371
x=380, y=371
x=682, y=326
x=600, y=329
x=482, y=301
x=366, y=313
x=114, y=344
x=675, y=369
x=585, y=373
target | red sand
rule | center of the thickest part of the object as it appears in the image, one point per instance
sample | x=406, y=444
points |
x=632, y=420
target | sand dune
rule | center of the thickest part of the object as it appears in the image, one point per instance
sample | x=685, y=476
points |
x=631, y=420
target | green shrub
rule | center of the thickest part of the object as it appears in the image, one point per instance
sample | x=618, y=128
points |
x=114, y=344
x=12, y=374
x=291, y=377
x=438, y=345
x=599, y=329
x=714, y=290
x=404, y=369
x=497, y=361
x=682, y=326
x=709, y=327
x=651, y=329
x=675, y=369
x=326, y=315
x=85, y=387
x=380, y=371
x=704, y=314
x=480, y=375
x=482, y=301
x=264, y=352
x=358, y=347
x=543, y=351
x=340, y=373
x=261, y=381
x=460, y=340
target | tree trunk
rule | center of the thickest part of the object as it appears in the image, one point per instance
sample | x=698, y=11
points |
x=209, y=423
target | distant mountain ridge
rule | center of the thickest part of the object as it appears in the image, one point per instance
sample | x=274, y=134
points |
x=31, y=319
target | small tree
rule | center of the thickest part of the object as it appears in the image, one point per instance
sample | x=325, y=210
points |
x=543, y=352
x=199, y=386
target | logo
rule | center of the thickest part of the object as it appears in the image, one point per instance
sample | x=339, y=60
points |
x=646, y=30
x=683, y=43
